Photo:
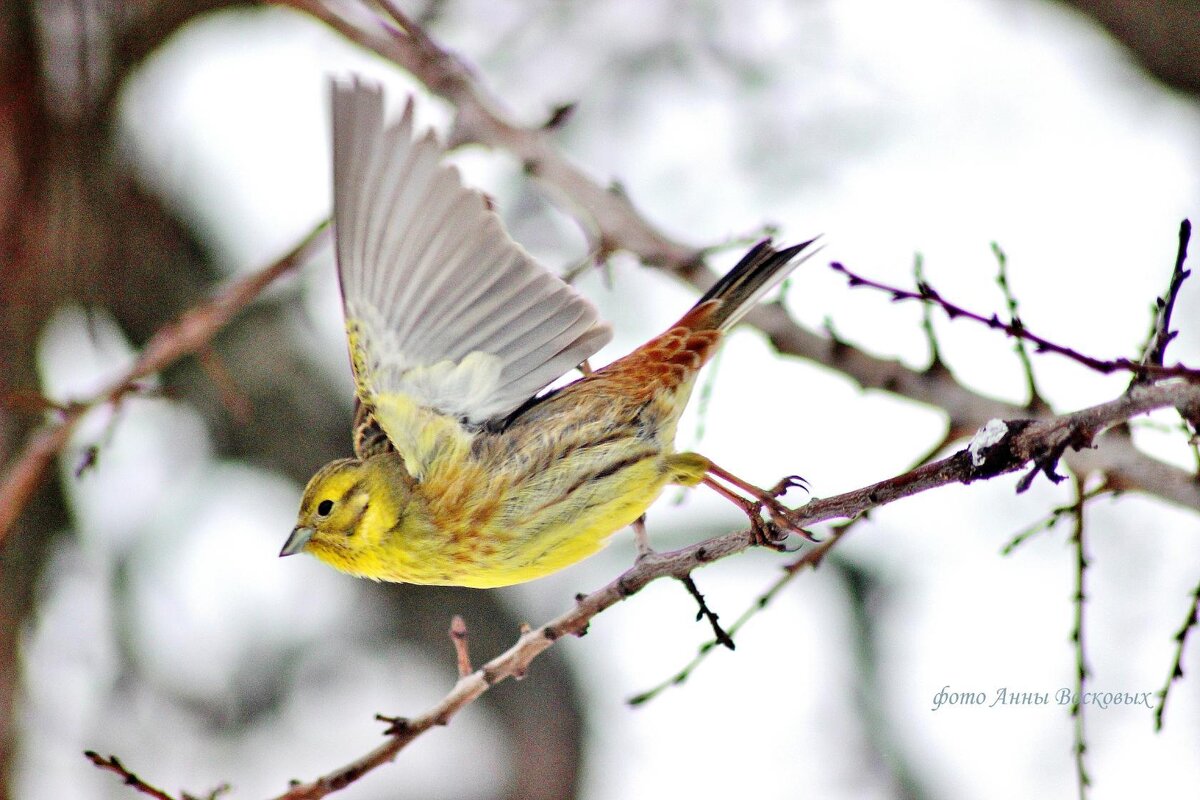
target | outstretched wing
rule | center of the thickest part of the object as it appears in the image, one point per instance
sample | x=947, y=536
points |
x=446, y=314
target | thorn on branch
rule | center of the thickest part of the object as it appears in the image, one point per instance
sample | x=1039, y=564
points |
x=1047, y=463
x=705, y=612
x=396, y=726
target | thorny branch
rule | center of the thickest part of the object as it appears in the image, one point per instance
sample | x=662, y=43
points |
x=190, y=334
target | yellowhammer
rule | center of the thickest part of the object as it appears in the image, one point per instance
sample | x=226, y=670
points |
x=463, y=475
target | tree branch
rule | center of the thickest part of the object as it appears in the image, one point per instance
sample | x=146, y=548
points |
x=924, y=293
x=114, y=765
x=190, y=334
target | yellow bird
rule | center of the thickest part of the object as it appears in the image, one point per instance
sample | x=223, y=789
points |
x=463, y=474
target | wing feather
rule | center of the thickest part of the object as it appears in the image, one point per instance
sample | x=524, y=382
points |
x=442, y=307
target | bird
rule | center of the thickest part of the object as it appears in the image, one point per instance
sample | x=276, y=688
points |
x=466, y=470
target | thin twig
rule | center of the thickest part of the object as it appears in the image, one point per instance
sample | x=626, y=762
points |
x=704, y=612
x=1077, y=639
x=114, y=765
x=924, y=293
x=1036, y=402
x=1156, y=350
x=705, y=395
x=190, y=334
x=935, y=352
x=458, y=636
x=812, y=557
x=1049, y=521
x=1189, y=622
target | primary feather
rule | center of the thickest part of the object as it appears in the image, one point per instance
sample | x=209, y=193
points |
x=443, y=309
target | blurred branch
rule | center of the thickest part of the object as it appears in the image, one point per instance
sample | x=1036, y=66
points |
x=1024, y=441
x=614, y=223
x=190, y=334
x=114, y=765
x=1163, y=34
x=610, y=219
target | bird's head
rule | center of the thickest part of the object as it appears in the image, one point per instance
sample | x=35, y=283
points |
x=333, y=517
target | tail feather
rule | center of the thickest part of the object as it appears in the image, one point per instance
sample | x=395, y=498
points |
x=731, y=297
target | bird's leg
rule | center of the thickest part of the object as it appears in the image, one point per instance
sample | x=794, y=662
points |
x=764, y=531
x=781, y=517
x=640, y=539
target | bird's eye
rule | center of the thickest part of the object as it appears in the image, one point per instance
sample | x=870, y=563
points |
x=324, y=507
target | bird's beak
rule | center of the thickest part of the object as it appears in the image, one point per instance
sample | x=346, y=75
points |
x=295, y=543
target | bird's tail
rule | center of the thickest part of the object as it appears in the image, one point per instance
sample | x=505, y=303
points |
x=730, y=298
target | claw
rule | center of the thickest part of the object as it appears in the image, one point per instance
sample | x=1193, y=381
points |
x=783, y=517
x=789, y=482
x=770, y=520
x=768, y=534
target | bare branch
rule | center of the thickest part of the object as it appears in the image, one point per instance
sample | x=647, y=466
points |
x=1156, y=349
x=925, y=293
x=812, y=557
x=1189, y=622
x=1036, y=402
x=114, y=765
x=190, y=334
x=1082, y=671
x=704, y=612
x=458, y=636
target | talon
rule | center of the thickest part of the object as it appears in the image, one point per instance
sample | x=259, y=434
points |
x=788, y=482
x=765, y=533
x=782, y=516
